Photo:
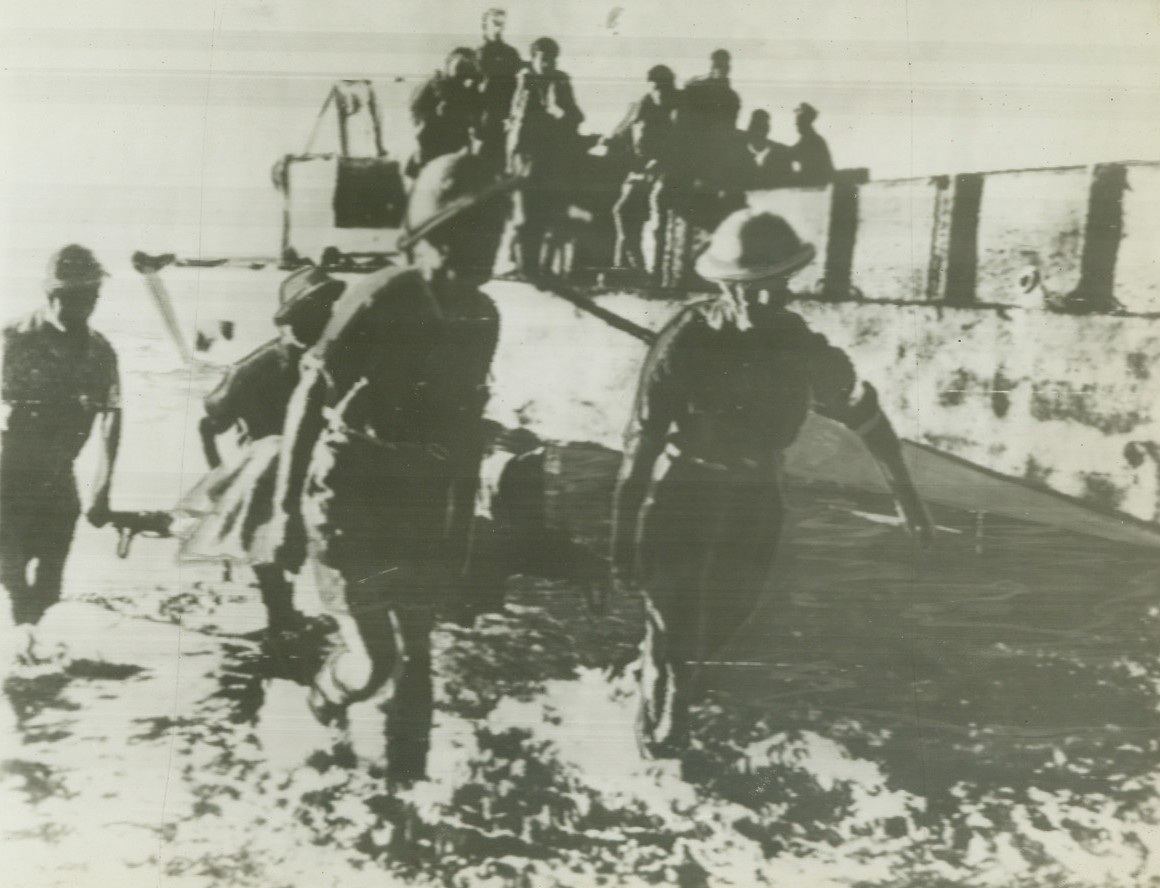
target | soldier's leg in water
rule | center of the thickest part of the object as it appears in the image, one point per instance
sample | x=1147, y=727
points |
x=387, y=650
x=277, y=593
x=366, y=656
x=739, y=570
x=15, y=557
x=49, y=535
x=410, y=705
x=668, y=648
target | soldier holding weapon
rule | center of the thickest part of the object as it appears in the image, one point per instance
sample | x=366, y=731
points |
x=60, y=384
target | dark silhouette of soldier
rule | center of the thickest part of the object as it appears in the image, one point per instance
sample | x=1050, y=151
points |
x=698, y=511
x=649, y=131
x=766, y=164
x=705, y=183
x=60, y=384
x=543, y=145
x=499, y=65
x=446, y=110
x=708, y=119
x=382, y=448
x=811, y=154
x=235, y=500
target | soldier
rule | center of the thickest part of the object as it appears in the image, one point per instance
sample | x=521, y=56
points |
x=708, y=120
x=445, y=110
x=767, y=164
x=542, y=145
x=724, y=390
x=811, y=154
x=234, y=501
x=704, y=186
x=60, y=383
x=499, y=65
x=382, y=448
x=649, y=128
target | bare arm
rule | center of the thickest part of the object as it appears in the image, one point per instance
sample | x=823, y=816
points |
x=108, y=428
x=841, y=396
x=107, y=425
x=865, y=417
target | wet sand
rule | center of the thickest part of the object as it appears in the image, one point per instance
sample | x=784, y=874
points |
x=985, y=713
x=953, y=717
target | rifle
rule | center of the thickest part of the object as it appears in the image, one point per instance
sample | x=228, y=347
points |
x=131, y=524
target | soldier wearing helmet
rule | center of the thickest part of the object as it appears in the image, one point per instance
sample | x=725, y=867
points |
x=698, y=511
x=381, y=452
x=234, y=499
x=60, y=382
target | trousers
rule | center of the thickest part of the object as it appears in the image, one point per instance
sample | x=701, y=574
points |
x=38, y=516
x=706, y=545
x=638, y=200
x=374, y=523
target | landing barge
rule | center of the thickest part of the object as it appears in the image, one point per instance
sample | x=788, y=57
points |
x=1011, y=321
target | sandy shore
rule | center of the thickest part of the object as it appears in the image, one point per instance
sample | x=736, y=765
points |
x=881, y=722
x=886, y=718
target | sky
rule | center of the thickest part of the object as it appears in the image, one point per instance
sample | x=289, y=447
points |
x=154, y=123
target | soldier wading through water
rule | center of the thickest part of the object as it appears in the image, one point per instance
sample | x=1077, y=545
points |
x=233, y=502
x=381, y=453
x=60, y=384
x=724, y=390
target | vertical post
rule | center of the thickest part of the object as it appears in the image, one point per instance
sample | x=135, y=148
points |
x=940, y=239
x=376, y=121
x=1101, y=244
x=963, y=242
x=839, y=259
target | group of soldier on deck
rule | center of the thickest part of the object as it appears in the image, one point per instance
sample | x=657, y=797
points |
x=364, y=435
x=679, y=150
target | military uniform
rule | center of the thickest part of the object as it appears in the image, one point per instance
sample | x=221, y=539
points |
x=395, y=390
x=233, y=502
x=499, y=65
x=812, y=156
x=54, y=385
x=719, y=400
x=707, y=121
x=253, y=392
x=651, y=128
x=767, y=164
x=444, y=110
x=542, y=149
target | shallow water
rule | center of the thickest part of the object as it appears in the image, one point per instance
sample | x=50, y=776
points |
x=983, y=713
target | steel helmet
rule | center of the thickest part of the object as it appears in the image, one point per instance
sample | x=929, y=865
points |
x=752, y=245
x=304, y=291
x=447, y=187
x=73, y=266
